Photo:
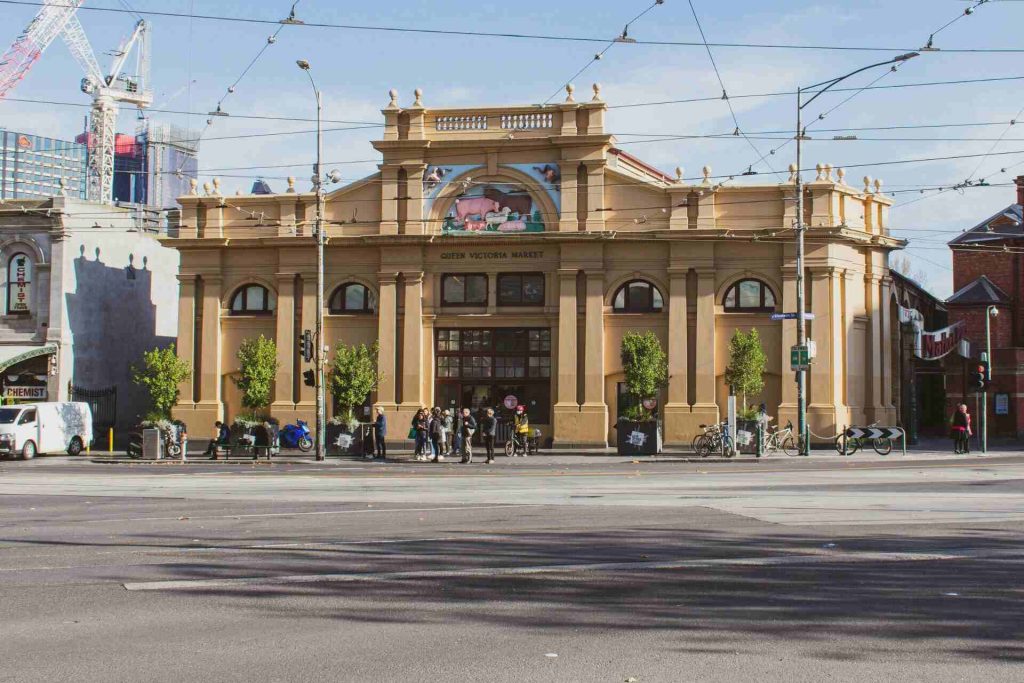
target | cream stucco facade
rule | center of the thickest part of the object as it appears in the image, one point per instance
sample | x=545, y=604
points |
x=520, y=227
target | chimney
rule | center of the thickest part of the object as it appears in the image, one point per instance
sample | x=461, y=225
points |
x=1019, y=180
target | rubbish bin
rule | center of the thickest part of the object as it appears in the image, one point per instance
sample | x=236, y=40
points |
x=152, y=444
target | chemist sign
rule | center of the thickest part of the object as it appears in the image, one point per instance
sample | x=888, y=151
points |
x=19, y=284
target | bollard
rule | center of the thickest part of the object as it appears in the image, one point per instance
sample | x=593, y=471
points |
x=111, y=439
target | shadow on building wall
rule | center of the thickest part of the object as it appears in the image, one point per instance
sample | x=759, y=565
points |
x=112, y=321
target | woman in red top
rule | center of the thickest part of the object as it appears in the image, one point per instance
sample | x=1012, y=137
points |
x=961, y=427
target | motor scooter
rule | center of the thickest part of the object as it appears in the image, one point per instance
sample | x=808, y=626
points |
x=296, y=436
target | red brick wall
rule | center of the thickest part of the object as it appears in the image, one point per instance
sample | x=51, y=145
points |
x=969, y=266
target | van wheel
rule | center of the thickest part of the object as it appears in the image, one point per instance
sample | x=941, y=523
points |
x=28, y=451
x=75, y=447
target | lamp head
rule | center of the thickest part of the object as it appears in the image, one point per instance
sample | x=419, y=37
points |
x=993, y=311
x=303, y=64
x=334, y=176
x=908, y=55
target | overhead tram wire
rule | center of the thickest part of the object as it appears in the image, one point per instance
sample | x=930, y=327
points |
x=725, y=93
x=525, y=36
x=623, y=38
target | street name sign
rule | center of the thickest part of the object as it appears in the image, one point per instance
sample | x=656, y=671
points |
x=791, y=316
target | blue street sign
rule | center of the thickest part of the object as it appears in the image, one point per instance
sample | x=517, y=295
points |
x=791, y=316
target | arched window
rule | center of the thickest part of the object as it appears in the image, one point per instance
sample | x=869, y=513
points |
x=638, y=296
x=352, y=297
x=19, y=284
x=253, y=300
x=748, y=296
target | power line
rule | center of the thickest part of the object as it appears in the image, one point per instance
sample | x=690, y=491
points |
x=530, y=36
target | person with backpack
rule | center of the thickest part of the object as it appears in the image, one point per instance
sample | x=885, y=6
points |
x=449, y=430
x=489, y=430
x=436, y=433
x=467, y=427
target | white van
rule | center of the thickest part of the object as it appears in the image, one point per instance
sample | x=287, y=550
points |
x=32, y=428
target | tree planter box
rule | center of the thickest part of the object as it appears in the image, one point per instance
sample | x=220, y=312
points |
x=343, y=441
x=638, y=438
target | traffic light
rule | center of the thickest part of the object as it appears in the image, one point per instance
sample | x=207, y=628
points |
x=309, y=378
x=978, y=378
x=307, y=346
x=986, y=373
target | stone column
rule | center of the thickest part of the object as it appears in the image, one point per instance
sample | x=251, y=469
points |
x=594, y=411
x=186, y=345
x=412, y=333
x=876, y=411
x=283, y=407
x=414, y=223
x=568, y=221
x=824, y=409
x=209, y=371
x=886, y=307
x=705, y=407
x=676, y=412
x=566, y=409
x=787, y=302
x=595, y=195
x=388, y=200
x=387, y=332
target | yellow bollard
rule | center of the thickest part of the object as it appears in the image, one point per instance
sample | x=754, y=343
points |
x=111, y=440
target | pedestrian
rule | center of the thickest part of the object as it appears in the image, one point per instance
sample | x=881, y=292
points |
x=449, y=430
x=488, y=430
x=436, y=433
x=222, y=438
x=380, y=431
x=419, y=425
x=467, y=427
x=960, y=425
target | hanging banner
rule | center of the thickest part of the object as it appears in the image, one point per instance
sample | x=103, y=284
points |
x=19, y=281
x=933, y=345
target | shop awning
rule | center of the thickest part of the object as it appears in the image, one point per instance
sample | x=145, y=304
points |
x=12, y=355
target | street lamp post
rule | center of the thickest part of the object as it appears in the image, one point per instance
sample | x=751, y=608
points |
x=318, y=355
x=801, y=323
x=990, y=312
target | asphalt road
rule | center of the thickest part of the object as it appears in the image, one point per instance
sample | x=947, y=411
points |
x=541, y=570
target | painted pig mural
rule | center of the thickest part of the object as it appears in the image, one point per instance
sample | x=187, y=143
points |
x=468, y=206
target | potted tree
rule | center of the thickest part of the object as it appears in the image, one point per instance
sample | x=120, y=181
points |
x=161, y=373
x=646, y=370
x=745, y=375
x=257, y=363
x=353, y=376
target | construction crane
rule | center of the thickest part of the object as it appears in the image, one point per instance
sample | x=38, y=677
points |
x=108, y=90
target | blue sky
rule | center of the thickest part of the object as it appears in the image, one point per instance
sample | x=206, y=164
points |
x=195, y=60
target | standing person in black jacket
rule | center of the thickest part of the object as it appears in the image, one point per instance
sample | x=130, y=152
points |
x=467, y=427
x=435, y=431
x=488, y=430
x=380, y=431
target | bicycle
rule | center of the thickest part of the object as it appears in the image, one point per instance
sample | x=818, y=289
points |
x=781, y=439
x=516, y=444
x=718, y=440
x=710, y=432
x=845, y=446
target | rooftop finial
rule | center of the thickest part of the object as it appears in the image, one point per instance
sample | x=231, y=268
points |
x=216, y=186
x=206, y=188
x=679, y=174
x=707, y=175
x=291, y=182
x=867, y=184
x=393, y=94
x=841, y=174
x=597, y=92
x=793, y=170
x=821, y=172
x=569, y=88
x=828, y=172
x=418, y=92
x=192, y=185
x=878, y=186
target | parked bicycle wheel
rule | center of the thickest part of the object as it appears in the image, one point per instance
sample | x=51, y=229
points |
x=882, y=446
x=708, y=446
x=510, y=447
x=695, y=444
x=789, y=446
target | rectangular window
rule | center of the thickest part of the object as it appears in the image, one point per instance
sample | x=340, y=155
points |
x=521, y=289
x=447, y=341
x=467, y=289
x=540, y=366
x=447, y=366
x=476, y=366
x=540, y=340
x=509, y=367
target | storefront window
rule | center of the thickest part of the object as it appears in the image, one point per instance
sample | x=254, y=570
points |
x=521, y=289
x=479, y=368
x=19, y=285
x=464, y=290
x=749, y=296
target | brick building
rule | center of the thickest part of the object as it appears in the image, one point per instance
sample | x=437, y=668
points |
x=988, y=270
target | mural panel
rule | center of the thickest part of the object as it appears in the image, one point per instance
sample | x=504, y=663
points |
x=492, y=207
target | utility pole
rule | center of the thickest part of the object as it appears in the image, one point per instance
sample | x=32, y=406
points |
x=801, y=324
x=318, y=335
x=990, y=312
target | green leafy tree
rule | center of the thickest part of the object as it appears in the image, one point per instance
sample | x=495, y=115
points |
x=747, y=362
x=257, y=360
x=353, y=376
x=646, y=369
x=161, y=372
